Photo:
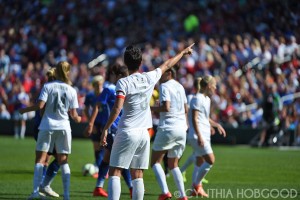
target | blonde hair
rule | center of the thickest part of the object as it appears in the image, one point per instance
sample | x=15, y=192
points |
x=51, y=74
x=205, y=81
x=197, y=84
x=97, y=79
x=62, y=70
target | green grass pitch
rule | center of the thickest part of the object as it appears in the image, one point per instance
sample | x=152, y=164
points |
x=240, y=172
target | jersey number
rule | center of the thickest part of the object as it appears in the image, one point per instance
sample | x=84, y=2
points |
x=178, y=101
x=144, y=102
x=60, y=102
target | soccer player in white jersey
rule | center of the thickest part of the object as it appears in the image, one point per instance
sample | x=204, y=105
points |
x=199, y=133
x=171, y=132
x=192, y=158
x=59, y=99
x=131, y=146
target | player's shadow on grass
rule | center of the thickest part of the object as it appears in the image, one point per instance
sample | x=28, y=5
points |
x=10, y=196
x=16, y=171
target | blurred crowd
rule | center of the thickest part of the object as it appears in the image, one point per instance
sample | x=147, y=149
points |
x=249, y=46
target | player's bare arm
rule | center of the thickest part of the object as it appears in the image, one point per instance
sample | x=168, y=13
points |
x=196, y=128
x=40, y=105
x=221, y=130
x=172, y=61
x=74, y=115
x=163, y=107
x=89, y=128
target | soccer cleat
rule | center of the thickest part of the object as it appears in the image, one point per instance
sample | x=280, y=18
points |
x=48, y=191
x=183, y=198
x=165, y=196
x=130, y=192
x=36, y=195
x=204, y=181
x=99, y=192
x=199, y=191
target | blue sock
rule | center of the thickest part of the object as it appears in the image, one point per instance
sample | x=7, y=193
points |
x=127, y=177
x=44, y=173
x=99, y=156
x=51, y=173
x=103, y=169
x=53, y=168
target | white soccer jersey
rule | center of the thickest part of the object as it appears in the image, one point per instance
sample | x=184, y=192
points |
x=137, y=90
x=173, y=92
x=60, y=98
x=202, y=104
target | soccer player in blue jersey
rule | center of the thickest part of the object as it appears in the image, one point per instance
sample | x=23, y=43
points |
x=105, y=102
x=90, y=102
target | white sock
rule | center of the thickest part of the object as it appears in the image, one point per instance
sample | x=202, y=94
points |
x=16, y=130
x=23, y=130
x=138, y=189
x=203, y=170
x=66, y=174
x=160, y=177
x=195, y=173
x=37, y=176
x=187, y=163
x=114, y=188
x=179, y=181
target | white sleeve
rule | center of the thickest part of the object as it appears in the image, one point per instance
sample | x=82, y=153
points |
x=164, y=93
x=154, y=75
x=195, y=104
x=74, y=100
x=121, y=89
x=44, y=94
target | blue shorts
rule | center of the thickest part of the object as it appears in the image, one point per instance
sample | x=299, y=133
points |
x=110, y=138
x=95, y=137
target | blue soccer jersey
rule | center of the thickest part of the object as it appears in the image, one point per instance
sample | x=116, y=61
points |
x=107, y=99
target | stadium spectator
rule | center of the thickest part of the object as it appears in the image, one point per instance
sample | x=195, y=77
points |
x=20, y=99
x=4, y=114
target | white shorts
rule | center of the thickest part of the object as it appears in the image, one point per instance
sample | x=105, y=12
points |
x=18, y=116
x=131, y=149
x=198, y=150
x=58, y=139
x=171, y=140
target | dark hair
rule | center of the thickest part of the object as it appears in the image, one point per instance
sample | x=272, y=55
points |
x=132, y=57
x=174, y=70
x=120, y=70
x=116, y=69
